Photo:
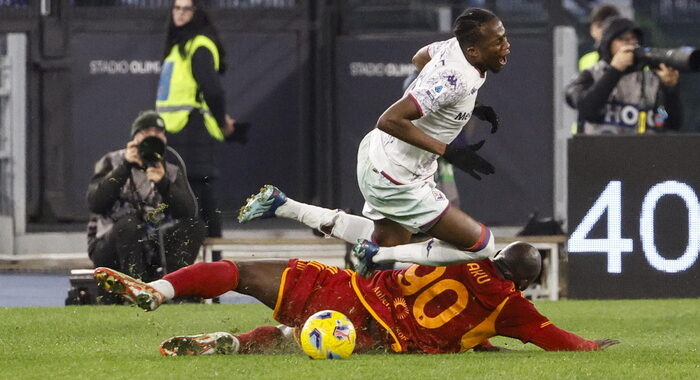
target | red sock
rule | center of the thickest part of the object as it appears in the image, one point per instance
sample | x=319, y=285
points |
x=259, y=340
x=206, y=280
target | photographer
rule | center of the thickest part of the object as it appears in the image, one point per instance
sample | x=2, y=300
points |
x=618, y=95
x=143, y=211
x=598, y=17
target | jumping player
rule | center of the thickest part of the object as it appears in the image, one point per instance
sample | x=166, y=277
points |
x=396, y=161
x=419, y=309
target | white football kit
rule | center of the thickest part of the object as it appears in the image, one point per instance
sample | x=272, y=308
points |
x=395, y=177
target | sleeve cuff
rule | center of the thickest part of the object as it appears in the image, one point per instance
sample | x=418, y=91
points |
x=415, y=101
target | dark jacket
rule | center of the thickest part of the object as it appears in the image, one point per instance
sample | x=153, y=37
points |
x=118, y=188
x=610, y=101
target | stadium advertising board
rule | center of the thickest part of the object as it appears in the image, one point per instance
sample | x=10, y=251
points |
x=634, y=216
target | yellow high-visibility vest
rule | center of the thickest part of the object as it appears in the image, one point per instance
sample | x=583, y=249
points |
x=178, y=92
x=589, y=59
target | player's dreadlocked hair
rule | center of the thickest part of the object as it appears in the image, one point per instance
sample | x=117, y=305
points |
x=467, y=27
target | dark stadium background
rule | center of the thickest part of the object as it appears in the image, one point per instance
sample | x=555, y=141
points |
x=312, y=77
x=290, y=78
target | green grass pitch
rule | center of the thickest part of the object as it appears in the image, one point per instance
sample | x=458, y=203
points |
x=660, y=339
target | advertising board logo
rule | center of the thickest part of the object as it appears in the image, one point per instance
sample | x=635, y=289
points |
x=123, y=67
x=380, y=69
x=614, y=245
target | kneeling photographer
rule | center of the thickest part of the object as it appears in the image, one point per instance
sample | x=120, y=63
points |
x=618, y=95
x=143, y=213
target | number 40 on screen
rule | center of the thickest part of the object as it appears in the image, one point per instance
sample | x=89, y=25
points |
x=615, y=245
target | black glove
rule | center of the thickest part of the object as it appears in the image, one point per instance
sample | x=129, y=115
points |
x=240, y=133
x=465, y=158
x=486, y=113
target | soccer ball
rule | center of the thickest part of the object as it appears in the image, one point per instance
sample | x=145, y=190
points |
x=328, y=334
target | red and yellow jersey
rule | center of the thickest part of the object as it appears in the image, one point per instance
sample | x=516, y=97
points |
x=429, y=309
x=448, y=309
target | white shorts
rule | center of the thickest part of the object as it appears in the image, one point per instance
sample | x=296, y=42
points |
x=417, y=206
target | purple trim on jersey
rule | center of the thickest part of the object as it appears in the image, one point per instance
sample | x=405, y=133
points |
x=415, y=101
x=483, y=241
x=395, y=182
x=426, y=227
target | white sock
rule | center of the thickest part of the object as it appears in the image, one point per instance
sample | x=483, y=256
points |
x=313, y=216
x=287, y=332
x=433, y=252
x=345, y=226
x=164, y=287
x=236, y=344
x=352, y=228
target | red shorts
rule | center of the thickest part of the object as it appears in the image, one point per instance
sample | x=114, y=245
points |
x=309, y=286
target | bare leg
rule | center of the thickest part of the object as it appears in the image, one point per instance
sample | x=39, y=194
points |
x=388, y=233
x=457, y=228
x=261, y=279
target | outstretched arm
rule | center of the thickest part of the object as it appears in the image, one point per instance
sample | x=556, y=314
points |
x=552, y=338
x=520, y=319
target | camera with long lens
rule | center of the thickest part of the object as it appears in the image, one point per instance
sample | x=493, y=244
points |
x=151, y=150
x=684, y=59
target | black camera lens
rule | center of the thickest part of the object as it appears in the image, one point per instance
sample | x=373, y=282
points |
x=151, y=150
x=694, y=60
x=685, y=58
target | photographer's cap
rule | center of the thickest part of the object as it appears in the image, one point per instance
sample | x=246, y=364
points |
x=613, y=28
x=147, y=119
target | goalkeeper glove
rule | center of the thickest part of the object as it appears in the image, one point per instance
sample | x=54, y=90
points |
x=465, y=158
x=486, y=113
